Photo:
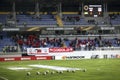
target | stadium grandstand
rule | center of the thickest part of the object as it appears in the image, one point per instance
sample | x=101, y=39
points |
x=81, y=24
x=59, y=39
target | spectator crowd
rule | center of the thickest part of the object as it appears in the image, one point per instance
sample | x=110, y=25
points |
x=35, y=41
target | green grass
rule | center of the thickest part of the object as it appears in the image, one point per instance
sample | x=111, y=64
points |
x=97, y=69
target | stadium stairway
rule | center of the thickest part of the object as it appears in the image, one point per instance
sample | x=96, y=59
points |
x=59, y=21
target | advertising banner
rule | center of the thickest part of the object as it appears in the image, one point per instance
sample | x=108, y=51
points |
x=54, y=50
x=25, y=58
x=72, y=57
x=36, y=51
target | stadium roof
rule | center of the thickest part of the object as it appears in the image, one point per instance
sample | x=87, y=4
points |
x=109, y=1
x=113, y=4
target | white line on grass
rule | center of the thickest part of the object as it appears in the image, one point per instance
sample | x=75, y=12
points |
x=3, y=78
x=54, y=67
x=19, y=68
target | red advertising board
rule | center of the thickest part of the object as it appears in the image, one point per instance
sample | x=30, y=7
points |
x=1, y=59
x=54, y=50
x=43, y=57
x=24, y=58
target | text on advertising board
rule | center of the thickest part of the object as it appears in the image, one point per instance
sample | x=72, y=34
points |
x=33, y=51
x=60, y=50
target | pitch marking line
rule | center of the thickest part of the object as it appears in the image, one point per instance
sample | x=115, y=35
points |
x=3, y=78
x=55, y=67
x=19, y=68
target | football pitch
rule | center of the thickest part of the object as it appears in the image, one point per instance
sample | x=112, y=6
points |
x=92, y=69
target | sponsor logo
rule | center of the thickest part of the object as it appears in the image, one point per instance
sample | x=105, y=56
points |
x=41, y=58
x=30, y=51
x=38, y=51
x=26, y=58
x=72, y=57
x=34, y=51
x=9, y=59
x=60, y=49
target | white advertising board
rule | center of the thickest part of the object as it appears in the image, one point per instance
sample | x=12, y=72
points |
x=86, y=55
x=68, y=53
x=37, y=51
